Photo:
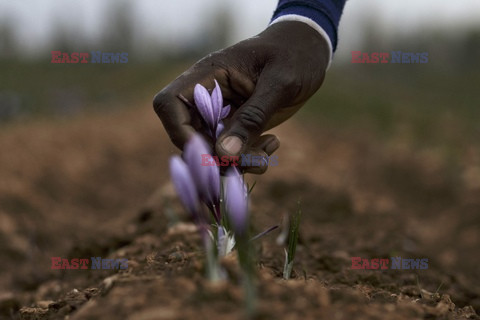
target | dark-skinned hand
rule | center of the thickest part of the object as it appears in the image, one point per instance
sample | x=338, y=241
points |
x=266, y=79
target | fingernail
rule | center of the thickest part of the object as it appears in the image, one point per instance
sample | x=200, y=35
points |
x=232, y=145
x=272, y=146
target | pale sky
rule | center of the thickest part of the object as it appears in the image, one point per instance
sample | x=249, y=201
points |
x=178, y=20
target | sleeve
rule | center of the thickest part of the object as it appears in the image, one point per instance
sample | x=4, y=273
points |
x=321, y=15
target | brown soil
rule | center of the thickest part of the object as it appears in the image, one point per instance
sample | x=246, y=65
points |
x=80, y=188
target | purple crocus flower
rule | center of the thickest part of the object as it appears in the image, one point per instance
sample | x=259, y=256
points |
x=211, y=108
x=220, y=128
x=206, y=178
x=184, y=185
x=236, y=201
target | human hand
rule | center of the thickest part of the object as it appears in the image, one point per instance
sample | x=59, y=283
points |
x=266, y=79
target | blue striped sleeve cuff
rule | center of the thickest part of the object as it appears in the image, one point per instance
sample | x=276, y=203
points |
x=325, y=13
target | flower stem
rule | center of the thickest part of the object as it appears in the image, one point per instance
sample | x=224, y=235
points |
x=213, y=269
x=247, y=264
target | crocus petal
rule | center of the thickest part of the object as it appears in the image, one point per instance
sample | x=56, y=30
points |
x=226, y=242
x=236, y=201
x=220, y=128
x=217, y=102
x=205, y=177
x=204, y=105
x=184, y=185
x=225, y=112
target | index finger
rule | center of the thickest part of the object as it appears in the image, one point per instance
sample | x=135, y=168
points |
x=174, y=115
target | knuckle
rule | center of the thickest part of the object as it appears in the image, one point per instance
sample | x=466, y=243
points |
x=252, y=118
x=289, y=82
x=160, y=101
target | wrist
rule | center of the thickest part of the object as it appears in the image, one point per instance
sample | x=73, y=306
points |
x=328, y=48
x=296, y=36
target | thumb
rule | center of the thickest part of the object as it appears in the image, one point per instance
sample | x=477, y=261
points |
x=249, y=121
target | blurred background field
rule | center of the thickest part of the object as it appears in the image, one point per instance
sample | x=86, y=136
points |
x=82, y=150
x=434, y=103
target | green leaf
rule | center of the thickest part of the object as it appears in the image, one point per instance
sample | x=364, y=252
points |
x=292, y=243
x=251, y=189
